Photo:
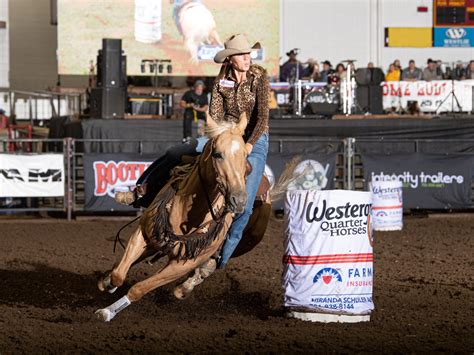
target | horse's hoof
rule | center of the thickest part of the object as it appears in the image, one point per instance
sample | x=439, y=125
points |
x=104, y=315
x=105, y=284
x=180, y=293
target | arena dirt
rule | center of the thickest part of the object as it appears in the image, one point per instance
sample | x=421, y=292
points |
x=424, y=296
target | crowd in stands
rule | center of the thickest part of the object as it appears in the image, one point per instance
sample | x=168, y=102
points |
x=434, y=70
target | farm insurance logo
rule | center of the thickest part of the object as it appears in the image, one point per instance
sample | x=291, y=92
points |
x=327, y=276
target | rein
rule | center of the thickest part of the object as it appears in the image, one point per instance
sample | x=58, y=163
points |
x=206, y=193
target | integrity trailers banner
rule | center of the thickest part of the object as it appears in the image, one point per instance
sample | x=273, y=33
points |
x=430, y=181
x=328, y=261
x=107, y=173
x=31, y=175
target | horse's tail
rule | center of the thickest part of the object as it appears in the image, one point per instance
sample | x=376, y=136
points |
x=286, y=178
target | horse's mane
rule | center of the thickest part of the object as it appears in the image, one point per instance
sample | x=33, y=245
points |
x=221, y=127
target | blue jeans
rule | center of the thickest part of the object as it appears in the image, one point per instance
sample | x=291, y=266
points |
x=257, y=159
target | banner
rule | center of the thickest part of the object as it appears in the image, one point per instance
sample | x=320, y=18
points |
x=431, y=181
x=328, y=261
x=107, y=173
x=453, y=37
x=315, y=171
x=429, y=95
x=387, y=205
x=39, y=175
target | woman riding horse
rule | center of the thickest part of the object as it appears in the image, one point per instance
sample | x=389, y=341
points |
x=240, y=87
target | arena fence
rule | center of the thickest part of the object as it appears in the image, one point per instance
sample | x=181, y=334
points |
x=347, y=163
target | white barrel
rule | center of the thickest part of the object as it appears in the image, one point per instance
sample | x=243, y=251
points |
x=148, y=21
x=328, y=261
x=387, y=208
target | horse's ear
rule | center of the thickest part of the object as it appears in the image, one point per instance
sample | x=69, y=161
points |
x=242, y=123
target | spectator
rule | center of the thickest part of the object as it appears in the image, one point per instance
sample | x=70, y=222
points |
x=340, y=70
x=470, y=70
x=195, y=106
x=431, y=71
x=292, y=69
x=327, y=70
x=393, y=73
x=459, y=72
x=311, y=72
x=412, y=73
x=397, y=64
x=3, y=119
x=370, y=65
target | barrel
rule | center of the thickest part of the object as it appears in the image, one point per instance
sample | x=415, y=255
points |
x=328, y=259
x=387, y=208
x=148, y=21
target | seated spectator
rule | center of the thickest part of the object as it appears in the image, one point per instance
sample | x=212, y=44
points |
x=393, y=73
x=311, y=72
x=340, y=70
x=3, y=119
x=459, y=72
x=470, y=70
x=431, y=71
x=292, y=69
x=327, y=70
x=397, y=64
x=412, y=73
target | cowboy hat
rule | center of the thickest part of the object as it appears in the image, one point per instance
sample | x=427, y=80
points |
x=237, y=44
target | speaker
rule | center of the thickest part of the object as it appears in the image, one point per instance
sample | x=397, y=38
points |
x=108, y=103
x=320, y=108
x=369, y=76
x=370, y=98
x=111, y=64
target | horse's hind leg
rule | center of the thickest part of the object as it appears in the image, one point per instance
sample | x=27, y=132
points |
x=136, y=246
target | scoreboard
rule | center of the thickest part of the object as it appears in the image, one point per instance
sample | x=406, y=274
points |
x=453, y=13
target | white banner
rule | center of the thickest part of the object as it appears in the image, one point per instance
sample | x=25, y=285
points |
x=31, y=175
x=387, y=208
x=328, y=261
x=429, y=95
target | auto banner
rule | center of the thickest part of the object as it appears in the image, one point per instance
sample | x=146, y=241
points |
x=34, y=175
x=430, y=181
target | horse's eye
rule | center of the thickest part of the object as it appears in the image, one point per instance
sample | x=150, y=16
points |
x=217, y=155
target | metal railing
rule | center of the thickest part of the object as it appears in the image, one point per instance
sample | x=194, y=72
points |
x=349, y=169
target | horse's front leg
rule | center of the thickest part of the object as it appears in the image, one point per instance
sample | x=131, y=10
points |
x=136, y=246
x=171, y=272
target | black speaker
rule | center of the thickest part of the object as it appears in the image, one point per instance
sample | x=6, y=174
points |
x=370, y=99
x=111, y=64
x=108, y=103
x=369, y=76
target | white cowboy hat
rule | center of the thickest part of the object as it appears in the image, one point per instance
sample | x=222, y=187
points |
x=237, y=44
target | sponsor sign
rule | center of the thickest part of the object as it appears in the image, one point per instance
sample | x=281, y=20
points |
x=453, y=37
x=314, y=172
x=107, y=173
x=387, y=208
x=328, y=261
x=431, y=181
x=429, y=95
x=31, y=175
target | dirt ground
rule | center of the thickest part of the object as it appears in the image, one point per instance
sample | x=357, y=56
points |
x=424, y=296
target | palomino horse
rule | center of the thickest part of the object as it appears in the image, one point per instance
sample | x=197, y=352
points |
x=189, y=218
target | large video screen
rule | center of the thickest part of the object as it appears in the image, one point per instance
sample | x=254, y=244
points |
x=188, y=32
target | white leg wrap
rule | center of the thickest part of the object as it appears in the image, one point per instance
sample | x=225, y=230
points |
x=108, y=313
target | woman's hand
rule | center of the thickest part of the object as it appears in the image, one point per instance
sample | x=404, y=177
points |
x=248, y=148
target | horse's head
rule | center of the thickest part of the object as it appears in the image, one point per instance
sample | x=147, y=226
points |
x=230, y=160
